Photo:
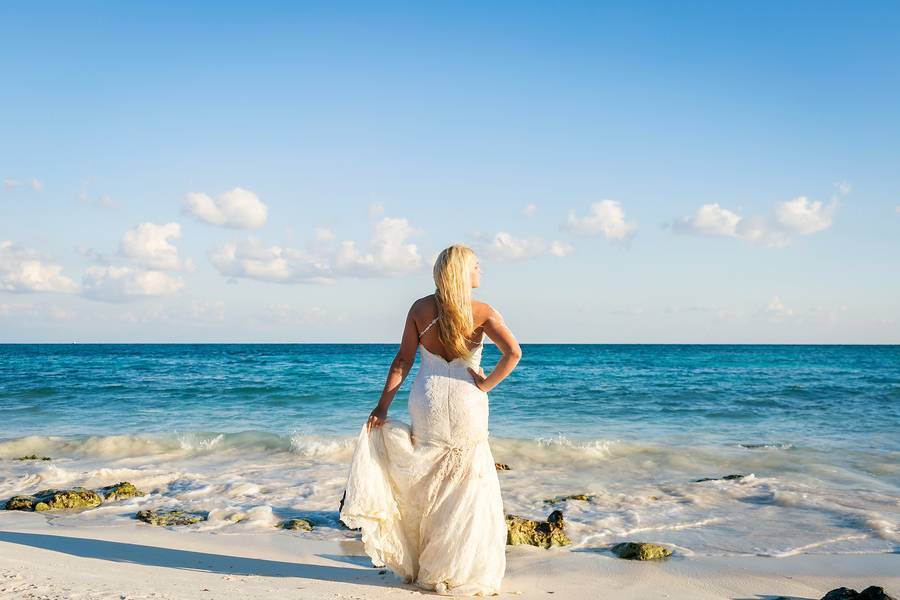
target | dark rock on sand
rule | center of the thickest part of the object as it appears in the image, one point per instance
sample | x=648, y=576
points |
x=559, y=499
x=501, y=466
x=873, y=592
x=33, y=457
x=77, y=497
x=537, y=533
x=640, y=550
x=165, y=518
x=119, y=491
x=297, y=524
x=733, y=476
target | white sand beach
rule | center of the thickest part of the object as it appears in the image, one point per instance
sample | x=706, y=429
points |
x=39, y=561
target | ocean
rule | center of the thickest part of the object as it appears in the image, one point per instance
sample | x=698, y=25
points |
x=265, y=432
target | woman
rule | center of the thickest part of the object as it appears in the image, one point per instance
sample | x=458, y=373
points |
x=427, y=496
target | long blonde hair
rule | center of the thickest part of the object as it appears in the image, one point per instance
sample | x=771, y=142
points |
x=452, y=276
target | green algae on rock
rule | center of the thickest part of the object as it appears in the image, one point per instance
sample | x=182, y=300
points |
x=119, y=491
x=640, y=550
x=76, y=497
x=537, y=533
x=303, y=524
x=164, y=518
x=560, y=499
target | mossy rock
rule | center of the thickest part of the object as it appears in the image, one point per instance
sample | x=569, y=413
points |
x=301, y=524
x=640, y=551
x=726, y=477
x=501, y=466
x=22, y=502
x=164, y=518
x=33, y=457
x=560, y=499
x=119, y=491
x=76, y=497
x=537, y=533
x=49, y=499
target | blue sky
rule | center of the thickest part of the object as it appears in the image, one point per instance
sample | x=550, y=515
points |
x=640, y=172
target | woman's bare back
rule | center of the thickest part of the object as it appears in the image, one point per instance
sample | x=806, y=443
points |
x=425, y=311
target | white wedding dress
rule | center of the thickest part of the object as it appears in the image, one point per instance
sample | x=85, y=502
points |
x=427, y=496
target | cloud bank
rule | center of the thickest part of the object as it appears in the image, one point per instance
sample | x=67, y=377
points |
x=798, y=216
x=390, y=254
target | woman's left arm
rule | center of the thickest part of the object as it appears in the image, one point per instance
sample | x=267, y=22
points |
x=399, y=369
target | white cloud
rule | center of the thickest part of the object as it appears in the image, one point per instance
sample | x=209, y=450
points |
x=252, y=260
x=34, y=183
x=606, y=218
x=804, y=217
x=707, y=311
x=710, y=219
x=529, y=209
x=103, y=200
x=505, y=247
x=149, y=245
x=238, y=209
x=207, y=310
x=798, y=216
x=777, y=310
x=558, y=248
x=123, y=283
x=375, y=209
x=323, y=234
x=391, y=253
x=24, y=270
x=843, y=187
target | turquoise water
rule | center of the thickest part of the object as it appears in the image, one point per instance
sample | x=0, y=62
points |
x=814, y=428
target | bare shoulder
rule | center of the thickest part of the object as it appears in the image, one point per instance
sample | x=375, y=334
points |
x=423, y=307
x=484, y=313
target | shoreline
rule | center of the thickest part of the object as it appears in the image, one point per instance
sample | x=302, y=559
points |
x=39, y=560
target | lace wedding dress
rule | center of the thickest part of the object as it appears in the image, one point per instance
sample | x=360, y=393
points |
x=427, y=496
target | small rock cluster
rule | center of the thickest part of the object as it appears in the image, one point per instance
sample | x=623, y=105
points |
x=76, y=497
x=537, y=533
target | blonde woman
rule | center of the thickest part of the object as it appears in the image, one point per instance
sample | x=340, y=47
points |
x=426, y=495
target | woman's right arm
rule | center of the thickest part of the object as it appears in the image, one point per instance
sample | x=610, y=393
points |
x=496, y=329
